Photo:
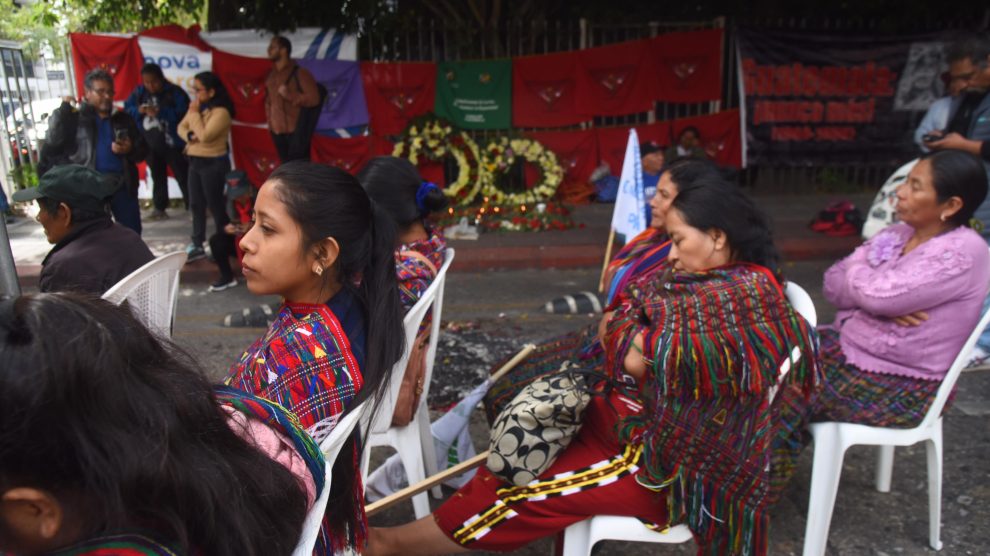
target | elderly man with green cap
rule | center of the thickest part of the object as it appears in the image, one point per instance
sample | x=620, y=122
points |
x=91, y=252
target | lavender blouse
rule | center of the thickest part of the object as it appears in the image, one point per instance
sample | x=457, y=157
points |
x=946, y=277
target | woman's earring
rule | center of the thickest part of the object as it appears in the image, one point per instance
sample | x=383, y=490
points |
x=318, y=270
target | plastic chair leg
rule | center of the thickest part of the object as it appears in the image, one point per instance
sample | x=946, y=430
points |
x=577, y=539
x=825, y=474
x=885, y=467
x=429, y=452
x=406, y=441
x=933, y=447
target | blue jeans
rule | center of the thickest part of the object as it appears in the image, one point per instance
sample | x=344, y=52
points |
x=125, y=209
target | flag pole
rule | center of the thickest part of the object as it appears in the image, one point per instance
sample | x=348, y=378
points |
x=608, y=255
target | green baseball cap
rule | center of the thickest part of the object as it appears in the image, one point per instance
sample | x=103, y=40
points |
x=75, y=185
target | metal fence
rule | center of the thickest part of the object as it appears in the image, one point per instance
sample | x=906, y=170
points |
x=429, y=40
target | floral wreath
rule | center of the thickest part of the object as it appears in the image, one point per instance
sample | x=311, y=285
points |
x=435, y=139
x=500, y=154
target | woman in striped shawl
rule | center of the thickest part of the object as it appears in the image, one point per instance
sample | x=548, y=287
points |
x=694, y=357
x=640, y=258
x=113, y=443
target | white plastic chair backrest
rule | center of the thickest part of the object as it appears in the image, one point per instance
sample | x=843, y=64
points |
x=949, y=382
x=330, y=447
x=151, y=292
x=432, y=297
x=801, y=302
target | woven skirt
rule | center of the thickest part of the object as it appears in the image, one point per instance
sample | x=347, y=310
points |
x=852, y=395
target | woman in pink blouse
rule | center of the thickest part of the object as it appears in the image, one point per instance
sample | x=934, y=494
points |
x=907, y=299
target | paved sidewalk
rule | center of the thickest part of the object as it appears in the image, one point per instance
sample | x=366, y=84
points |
x=575, y=248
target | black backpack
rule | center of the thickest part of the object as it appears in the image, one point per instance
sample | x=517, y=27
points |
x=308, y=117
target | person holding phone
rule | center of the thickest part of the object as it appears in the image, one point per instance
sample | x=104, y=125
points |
x=96, y=136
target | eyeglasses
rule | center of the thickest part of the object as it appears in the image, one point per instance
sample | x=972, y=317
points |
x=103, y=91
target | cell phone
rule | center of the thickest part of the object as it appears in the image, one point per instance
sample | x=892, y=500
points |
x=931, y=137
x=119, y=134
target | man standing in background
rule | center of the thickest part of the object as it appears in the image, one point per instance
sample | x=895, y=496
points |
x=157, y=107
x=97, y=137
x=290, y=88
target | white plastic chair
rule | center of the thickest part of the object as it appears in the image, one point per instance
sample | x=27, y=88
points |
x=413, y=442
x=801, y=302
x=330, y=447
x=580, y=537
x=832, y=439
x=151, y=292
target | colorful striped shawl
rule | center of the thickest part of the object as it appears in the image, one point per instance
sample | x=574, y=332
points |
x=641, y=256
x=714, y=343
x=118, y=545
x=281, y=420
x=304, y=364
x=413, y=274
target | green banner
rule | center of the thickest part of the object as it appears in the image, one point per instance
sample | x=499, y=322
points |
x=475, y=95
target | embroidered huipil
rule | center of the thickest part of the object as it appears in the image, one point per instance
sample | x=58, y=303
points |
x=946, y=277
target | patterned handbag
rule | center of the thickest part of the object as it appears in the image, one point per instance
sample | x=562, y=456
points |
x=537, y=425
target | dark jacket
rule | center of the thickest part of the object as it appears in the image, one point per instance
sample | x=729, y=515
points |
x=93, y=257
x=71, y=139
x=173, y=103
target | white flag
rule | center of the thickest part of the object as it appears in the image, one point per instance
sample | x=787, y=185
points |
x=629, y=216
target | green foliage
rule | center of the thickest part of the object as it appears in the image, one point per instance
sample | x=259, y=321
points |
x=24, y=176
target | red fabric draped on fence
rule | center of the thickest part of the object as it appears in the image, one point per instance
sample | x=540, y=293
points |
x=398, y=92
x=349, y=154
x=616, y=79
x=119, y=56
x=544, y=91
x=577, y=153
x=688, y=66
x=254, y=152
x=719, y=134
x=244, y=79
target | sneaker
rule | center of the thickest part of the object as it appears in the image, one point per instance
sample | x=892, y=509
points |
x=223, y=284
x=158, y=215
x=194, y=253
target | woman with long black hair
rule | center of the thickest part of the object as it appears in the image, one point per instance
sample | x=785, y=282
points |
x=320, y=243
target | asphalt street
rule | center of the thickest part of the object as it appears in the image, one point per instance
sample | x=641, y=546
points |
x=488, y=316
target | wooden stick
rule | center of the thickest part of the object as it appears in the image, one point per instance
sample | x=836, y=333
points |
x=511, y=363
x=425, y=484
x=608, y=255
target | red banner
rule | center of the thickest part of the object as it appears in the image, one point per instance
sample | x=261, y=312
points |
x=688, y=66
x=543, y=90
x=177, y=33
x=719, y=134
x=612, y=141
x=577, y=153
x=349, y=154
x=254, y=152
x=120, y=57
x=244, y=79
x=614, y=80
x=396, y=93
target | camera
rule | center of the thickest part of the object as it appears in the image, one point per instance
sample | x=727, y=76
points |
x=119, y=134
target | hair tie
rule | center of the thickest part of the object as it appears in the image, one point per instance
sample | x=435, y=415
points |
x=424, y=189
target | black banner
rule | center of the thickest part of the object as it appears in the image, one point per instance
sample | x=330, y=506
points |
x=815, y=99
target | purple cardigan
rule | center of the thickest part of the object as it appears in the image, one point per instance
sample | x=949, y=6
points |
x=946, y=277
